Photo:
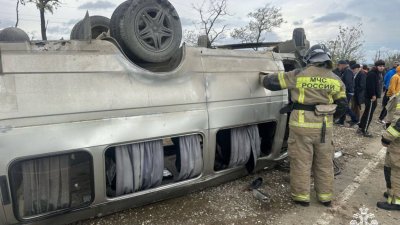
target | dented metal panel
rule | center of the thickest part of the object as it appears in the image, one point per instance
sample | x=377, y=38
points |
x=234, y=89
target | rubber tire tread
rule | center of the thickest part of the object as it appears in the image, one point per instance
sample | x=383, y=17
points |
x=99, y=21
x=74, y=31
x=13, y=34
x=77, y=34
x=133, y=44
x=299, y=37
x=116, y=22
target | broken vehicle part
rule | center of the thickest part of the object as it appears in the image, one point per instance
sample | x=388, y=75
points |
x=260, y=196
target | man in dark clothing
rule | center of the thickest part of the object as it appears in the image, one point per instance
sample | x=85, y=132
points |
x=373, y=91
x=359, y=90
x=365, y=69
x=346, y=75
x=336, y=71
x=388, y=76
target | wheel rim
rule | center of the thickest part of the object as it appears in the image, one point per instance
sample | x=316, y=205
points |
x=153, y=29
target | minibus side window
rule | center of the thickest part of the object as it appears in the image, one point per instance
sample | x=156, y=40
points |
x=237, y=146
x=49, y=184
x=144, y=165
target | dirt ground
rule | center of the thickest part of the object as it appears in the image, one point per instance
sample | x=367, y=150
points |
x=232, y=203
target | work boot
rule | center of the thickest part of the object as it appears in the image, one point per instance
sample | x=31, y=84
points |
x=327, y=204
x=387, y=206
x=304, y=204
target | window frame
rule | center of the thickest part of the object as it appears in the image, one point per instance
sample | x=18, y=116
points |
x=133, y=194
x=42, y=216
x=275, y=121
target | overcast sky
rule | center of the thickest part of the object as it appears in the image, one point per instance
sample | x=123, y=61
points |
x=319, y=18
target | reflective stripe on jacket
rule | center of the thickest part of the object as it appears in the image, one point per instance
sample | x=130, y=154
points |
x=312, y=86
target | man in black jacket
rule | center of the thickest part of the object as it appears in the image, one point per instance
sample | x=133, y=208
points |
x=346, y=75
x=373, y=91
x=359, y=90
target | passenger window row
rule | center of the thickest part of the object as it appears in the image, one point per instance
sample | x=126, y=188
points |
x=56, y=183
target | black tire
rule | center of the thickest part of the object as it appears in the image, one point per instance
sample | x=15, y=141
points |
x=152, y=30
x=116, y=20
x=74, y=31
x=116, y=25
x=98, y=25
x=299, y=37
x=13, y=34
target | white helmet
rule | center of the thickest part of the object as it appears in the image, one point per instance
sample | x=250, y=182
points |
x=317, y=53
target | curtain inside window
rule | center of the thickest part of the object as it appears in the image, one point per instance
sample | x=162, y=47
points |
x=244, y=141
x=191, y=159
x=139, y=166
x=46, y=184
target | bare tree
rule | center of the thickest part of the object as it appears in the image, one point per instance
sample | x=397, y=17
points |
x=378, y=55
x=43, y=6
x=211, y=14
x=17, y=10
x=389, y=56
x=190, y=37
x=348, y=44
x=261, y=21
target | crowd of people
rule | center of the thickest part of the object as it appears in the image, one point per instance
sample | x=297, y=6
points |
x=364, y=86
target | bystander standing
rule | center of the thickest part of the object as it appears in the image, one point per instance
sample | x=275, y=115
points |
x=346, y=75
x=373, y=91
x=388, y=76
x=359, y=90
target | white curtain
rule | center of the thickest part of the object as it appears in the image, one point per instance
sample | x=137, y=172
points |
x=138, y=166
x=244, y=140
x=191, y=158
x=46, y=184
x=255, y=140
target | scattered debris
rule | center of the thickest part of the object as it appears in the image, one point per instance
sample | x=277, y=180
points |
x=338, y=154
x=256, y=183
x=260, y=196
x=167, y=173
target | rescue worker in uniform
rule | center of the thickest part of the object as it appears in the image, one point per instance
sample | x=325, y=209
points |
x=315, y=93
x=391, y=139
x=392, y=107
